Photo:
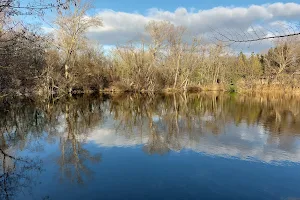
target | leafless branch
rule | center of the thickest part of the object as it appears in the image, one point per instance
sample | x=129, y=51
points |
x=255, y=35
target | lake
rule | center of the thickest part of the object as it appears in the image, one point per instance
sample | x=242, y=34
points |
x=196, y=146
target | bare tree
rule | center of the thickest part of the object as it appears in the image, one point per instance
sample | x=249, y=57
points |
x=284, y=56
x=22, y=45
x=73, y=25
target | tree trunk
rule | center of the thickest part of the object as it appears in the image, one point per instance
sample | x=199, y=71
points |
x=177, y=71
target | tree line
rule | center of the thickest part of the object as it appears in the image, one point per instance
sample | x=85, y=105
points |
x=66, y=62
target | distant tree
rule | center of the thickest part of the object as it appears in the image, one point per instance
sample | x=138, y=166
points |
x=255, y=66
x=242, y=65
x=283, y=58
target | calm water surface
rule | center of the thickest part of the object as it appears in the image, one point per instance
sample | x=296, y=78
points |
x=205, y=146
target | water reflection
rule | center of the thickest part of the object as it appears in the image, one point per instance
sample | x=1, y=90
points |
x=17, y=174
x=17, y=127
x=248, y=127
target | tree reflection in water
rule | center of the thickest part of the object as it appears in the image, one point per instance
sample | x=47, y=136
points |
x=163, y=123
x=173, y=122
x=17, y=122
x=76, y=118
x=73, y=159
x=17, y=174
x=23, y=123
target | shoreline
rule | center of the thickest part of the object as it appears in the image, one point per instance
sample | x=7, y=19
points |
x=169, y=91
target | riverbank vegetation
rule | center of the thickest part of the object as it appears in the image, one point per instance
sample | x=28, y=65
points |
x=166, y=60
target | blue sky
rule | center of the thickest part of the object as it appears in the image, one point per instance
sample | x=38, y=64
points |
x=142, y=6
x=126, y=20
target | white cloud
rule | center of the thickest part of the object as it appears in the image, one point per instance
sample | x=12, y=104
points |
x=121, y=27
x=47, y=29
x=242, y=142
